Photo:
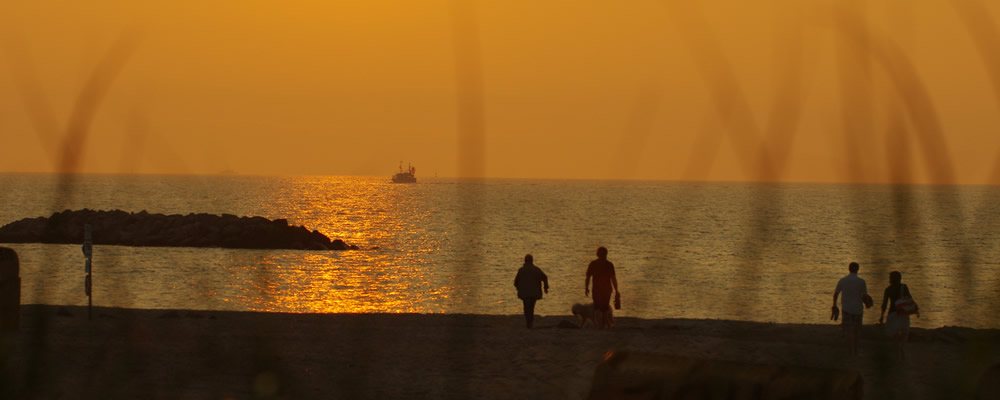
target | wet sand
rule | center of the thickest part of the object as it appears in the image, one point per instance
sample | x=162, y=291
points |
x=168, y=354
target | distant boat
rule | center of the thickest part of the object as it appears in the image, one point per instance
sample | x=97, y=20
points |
x=407, y=176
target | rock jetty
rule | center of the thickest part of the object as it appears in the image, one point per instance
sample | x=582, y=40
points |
x=145, y=229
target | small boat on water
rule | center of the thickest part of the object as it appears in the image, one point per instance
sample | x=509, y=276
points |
x=407, y=176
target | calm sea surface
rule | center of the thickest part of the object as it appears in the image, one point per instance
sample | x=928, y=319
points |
x=762, y=252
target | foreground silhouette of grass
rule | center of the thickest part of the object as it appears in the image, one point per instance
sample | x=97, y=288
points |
x=30, y=90
x=986, y=35
x=862, y=47
x=766, y=161
x=766, y=150
x=471, y=145
x=72, y=144
x=68, y=146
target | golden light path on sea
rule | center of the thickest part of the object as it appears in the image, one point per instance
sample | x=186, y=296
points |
x=393, y=278
x=373, y=285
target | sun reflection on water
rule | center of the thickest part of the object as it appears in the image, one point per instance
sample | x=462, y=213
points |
x=385, y=220
x=329, y=284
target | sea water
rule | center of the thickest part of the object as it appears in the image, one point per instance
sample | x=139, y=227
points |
x=744, y=251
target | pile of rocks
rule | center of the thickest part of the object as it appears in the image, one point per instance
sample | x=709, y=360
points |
x=144, y=229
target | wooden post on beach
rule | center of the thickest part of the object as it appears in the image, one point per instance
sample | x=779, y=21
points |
x=88, y=251
x=10, y=290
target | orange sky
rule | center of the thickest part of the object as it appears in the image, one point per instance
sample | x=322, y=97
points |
x=570, y=89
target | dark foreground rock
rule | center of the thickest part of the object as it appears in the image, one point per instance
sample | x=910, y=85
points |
x=144, y=229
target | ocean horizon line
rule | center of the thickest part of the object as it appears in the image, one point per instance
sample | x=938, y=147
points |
x=422, y=179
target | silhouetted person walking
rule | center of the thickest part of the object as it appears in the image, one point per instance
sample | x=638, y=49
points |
x=529, y=281
x=898, y=324
x=854, y=289
x=603, y=272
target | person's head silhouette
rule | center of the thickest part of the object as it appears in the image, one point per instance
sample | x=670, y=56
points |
x=895, y=277
x=528, y=259
x=602, y=253
x=853, y=267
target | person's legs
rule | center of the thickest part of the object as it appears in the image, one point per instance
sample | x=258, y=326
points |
x=903, y=335
x=897, y=341
x=602, y=313
x=852, y=329
x=529, y=311
x=856, y=337
x=892, y=330
x=602, y=304
x=845, y=324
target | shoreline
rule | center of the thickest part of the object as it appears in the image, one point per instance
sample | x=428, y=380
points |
x=240, y=354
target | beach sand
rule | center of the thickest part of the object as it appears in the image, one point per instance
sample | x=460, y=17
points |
x=169, y=354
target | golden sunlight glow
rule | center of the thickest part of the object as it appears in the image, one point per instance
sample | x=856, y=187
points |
x=666, y=90
x=390, y=279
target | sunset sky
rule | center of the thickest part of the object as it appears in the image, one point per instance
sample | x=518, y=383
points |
x=848, y=90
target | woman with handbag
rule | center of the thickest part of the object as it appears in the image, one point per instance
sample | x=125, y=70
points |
x=901, y=305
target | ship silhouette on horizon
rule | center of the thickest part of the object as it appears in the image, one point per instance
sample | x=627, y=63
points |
x=407, y=176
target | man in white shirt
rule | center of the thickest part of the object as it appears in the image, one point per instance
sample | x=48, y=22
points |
x=854, y=289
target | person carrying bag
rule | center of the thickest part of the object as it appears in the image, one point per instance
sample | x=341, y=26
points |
x=901, y=306
x=904, y=304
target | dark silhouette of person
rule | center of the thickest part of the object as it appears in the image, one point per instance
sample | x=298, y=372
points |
x=855, y=289
x=603, y=272
x=898, y=325
x=529, y=283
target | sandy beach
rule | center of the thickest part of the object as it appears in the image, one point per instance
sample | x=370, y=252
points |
x=130, y=353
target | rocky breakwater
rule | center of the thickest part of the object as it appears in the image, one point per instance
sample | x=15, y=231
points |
x=144, y=229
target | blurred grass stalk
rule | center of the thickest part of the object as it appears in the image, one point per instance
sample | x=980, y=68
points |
x=68, y=146
x=861, y=48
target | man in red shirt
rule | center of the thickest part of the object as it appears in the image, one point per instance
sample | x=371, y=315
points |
x=603, y=272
